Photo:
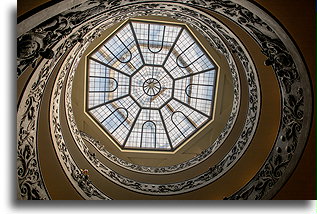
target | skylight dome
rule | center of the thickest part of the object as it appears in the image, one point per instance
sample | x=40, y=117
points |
x=151, y=85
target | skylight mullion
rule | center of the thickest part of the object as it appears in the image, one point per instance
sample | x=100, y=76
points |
x=192, y=108
x=136, y=42
x=151, y=90
x=166, y=132
x=119, y=119
x=96, y=60
x=193, y=74
x=105, y=103
x=173, y=45
x=122, y=52
x=125, y=46
x=131, y=129
x=148, y=42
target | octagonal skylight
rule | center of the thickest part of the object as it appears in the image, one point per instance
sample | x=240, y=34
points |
x=151, y=85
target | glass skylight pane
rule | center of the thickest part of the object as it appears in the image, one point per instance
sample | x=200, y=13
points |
x=95, y=99
x=151, y=86
x=96, y=69
x=155, y=40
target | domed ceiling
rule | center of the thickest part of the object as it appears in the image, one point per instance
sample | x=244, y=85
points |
x=158, y=100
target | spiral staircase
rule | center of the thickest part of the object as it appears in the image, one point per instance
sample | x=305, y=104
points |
x=258, y=138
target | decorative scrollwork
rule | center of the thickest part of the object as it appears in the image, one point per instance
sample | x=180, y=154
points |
x=174, y=188
x=205, y=154
x=44, y=45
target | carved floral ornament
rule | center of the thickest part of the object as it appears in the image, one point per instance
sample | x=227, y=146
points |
x=71, y=32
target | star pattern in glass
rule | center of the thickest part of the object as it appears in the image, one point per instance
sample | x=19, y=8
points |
x=151, y=85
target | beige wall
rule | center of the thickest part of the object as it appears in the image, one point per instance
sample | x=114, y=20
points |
x=25, y=6
x=292, y=15
x=298, y=17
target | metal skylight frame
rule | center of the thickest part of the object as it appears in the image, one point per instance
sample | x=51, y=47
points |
x=173, y=121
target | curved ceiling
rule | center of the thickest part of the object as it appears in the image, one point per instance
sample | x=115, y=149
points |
x=237, y=106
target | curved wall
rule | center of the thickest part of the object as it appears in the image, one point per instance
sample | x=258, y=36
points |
x=299, y=186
